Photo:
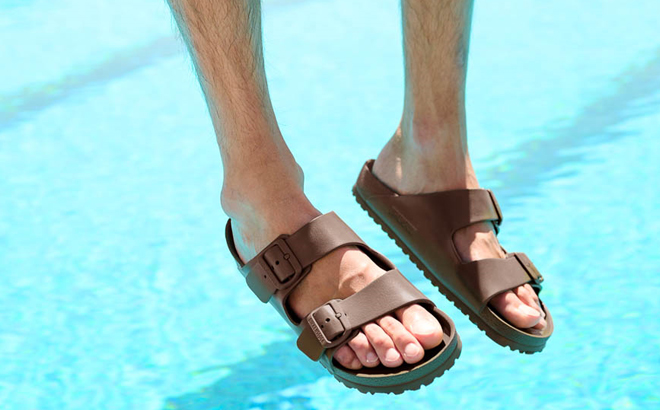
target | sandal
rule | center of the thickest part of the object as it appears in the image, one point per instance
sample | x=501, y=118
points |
x=281, y=265
x=423, y=226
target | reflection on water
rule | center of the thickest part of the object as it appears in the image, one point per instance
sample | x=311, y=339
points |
x=519, y=172
x=23, y=104
x=260, y=376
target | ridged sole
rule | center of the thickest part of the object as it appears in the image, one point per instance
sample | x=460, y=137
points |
x=409, y=386
x=483, y=326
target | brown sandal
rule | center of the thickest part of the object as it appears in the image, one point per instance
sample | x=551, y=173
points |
x=281, y=265
x=423, y=225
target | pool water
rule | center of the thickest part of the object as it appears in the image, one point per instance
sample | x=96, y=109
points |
x=118, y=291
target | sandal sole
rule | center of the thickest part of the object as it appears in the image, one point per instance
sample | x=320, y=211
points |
x=412, y=385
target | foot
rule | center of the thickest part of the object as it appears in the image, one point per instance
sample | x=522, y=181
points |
x=409, y=169
x=390, y=340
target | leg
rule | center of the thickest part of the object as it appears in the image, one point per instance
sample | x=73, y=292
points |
x=263, y=183
x=428, y=151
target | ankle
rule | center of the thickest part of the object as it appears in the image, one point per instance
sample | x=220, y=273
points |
x=262, y=185
x=268, y=206
x=425, y=158
x=434, y=137
x=262, y=209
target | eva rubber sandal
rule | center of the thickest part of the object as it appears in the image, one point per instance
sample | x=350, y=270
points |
x=281, y=265
x=423, y=226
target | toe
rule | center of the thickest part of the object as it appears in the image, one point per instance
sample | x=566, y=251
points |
x=531, y=291
x=515, y=311
x=422, y=325
x=363, y=350
x=534, y=297
x=383, y=345
x=527, y=297
x=541, y=324
x=347, y=358
x=404, y=341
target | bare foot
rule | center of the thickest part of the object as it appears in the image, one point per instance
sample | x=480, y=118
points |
x=409, y=169
x=390, y=340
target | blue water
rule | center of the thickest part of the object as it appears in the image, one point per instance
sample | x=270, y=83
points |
x=118, y=291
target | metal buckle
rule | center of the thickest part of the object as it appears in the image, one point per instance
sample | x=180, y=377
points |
x=281, y=263
x=529, y=268
x=326, y=321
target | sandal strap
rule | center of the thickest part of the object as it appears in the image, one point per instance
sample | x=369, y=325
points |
x=487, y=278
x=463, y=207
x=337, y=321
x=283, y=263
x=459, y=207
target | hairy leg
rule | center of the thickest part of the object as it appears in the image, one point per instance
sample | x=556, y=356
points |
x=263, y=185
x=224, y=40
x=429, y=151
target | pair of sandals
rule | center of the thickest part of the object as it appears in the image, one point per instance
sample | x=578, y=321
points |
x=423, y=226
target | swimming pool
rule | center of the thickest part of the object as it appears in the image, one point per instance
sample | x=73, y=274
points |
x=118, y=290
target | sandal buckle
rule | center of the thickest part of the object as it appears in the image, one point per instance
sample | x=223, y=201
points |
x=329, y=324
x=498, y=211
x=281, y=263
x=529, y=267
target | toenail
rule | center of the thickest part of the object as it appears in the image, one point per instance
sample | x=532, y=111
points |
x=391, y=355
x=529, y=311
x=423, y=327
x=371, y=357
x=411, y=350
